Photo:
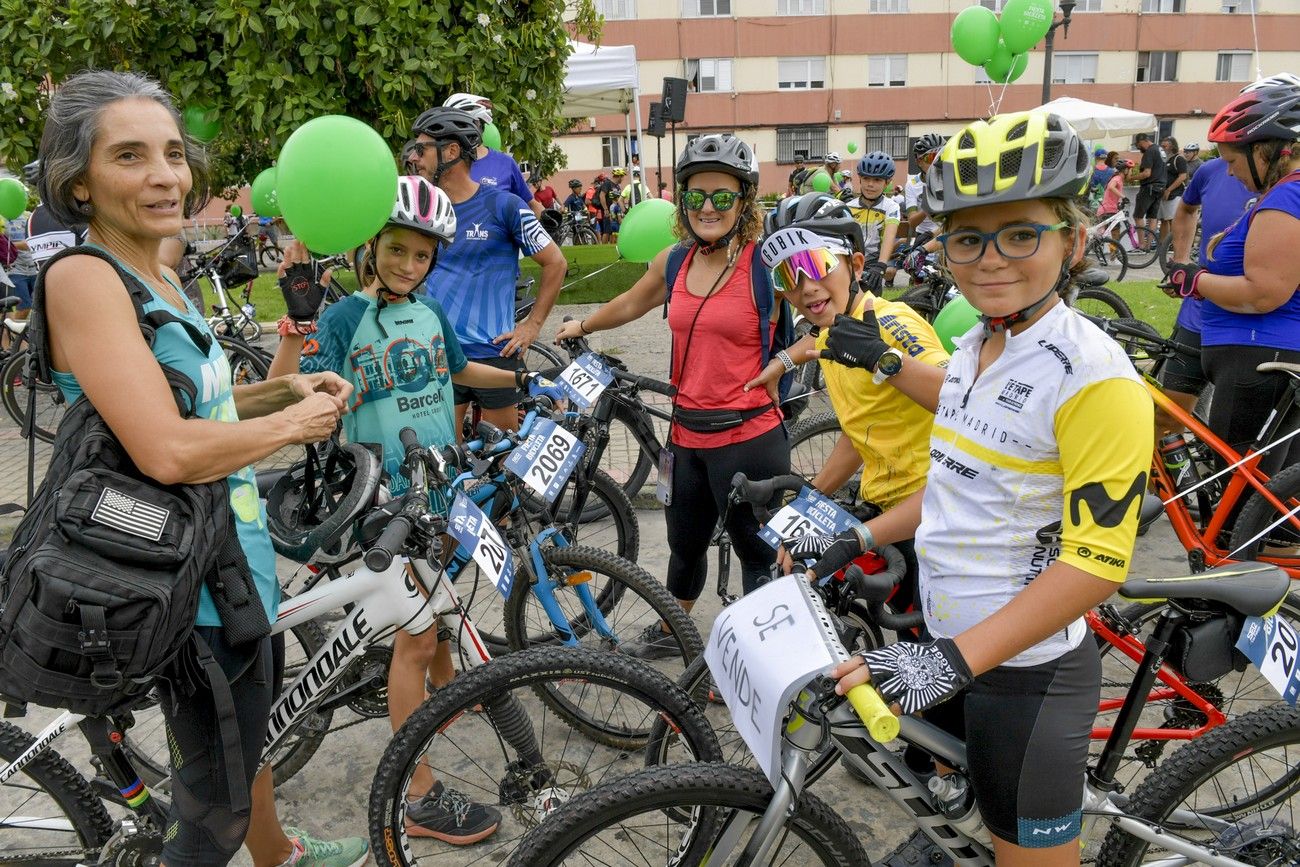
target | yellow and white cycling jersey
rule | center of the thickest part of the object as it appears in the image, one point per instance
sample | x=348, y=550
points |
x=1043, y=457
x=914, y=198
x=874, y=218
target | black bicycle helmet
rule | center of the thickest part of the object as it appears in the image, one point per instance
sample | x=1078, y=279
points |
x=719, y=152
x=312, y=506
x=450, y=124
x=820, y=213
x=575, y=184
x=931, y=141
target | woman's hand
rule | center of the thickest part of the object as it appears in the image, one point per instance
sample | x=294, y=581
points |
x=327, y=382
x=314, y=418
x=569, y=331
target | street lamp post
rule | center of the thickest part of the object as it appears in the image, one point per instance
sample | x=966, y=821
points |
x=1062, y=20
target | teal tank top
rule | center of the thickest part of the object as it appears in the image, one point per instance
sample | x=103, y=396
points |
x=210, y=375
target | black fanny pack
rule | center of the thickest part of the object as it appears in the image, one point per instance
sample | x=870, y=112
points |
x=714, y=420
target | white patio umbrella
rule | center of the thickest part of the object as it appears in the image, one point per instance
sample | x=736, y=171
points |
x=1093, y=120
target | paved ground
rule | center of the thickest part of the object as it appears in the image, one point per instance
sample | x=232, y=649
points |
x=330, y=794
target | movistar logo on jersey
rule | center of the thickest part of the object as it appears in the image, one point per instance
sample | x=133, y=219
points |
x=477, y=233
x=1106, y=511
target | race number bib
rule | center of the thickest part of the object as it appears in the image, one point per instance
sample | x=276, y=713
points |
x=585, y=379
x=475, y=533
x=546, y=459
x=1272, y=644
x=810, y=512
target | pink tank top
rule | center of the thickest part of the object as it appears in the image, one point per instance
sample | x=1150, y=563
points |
x=724, y=354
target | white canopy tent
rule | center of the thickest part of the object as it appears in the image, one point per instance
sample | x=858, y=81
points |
x=603, y=80
x=1093, y=120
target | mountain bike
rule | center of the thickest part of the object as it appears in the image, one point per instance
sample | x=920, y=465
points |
x=226, y=266
x=17, y=383
x=1140, y=244
x=1226, y=799
x=50, y=813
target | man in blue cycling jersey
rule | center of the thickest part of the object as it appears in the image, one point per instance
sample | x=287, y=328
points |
x=475, y=277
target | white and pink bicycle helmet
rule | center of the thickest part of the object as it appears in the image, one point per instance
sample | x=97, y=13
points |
x=422, y=207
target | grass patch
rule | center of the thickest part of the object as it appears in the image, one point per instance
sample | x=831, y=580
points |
x=1149, y=304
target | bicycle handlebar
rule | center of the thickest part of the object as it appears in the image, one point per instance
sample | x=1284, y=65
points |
x=667, y=389
x=389, y=544
x=880, y=721
x=761, y=493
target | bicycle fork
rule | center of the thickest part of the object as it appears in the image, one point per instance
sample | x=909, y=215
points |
x=545, y=586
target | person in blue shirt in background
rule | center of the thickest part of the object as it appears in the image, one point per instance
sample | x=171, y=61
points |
x=395, y=347
x=474, y=279
x=1219, y=199
x=574, y=203
x=492, y=168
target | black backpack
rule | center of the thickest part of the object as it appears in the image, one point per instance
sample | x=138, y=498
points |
x=100, y=590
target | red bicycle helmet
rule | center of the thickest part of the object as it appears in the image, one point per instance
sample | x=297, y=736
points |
x=1259, y=115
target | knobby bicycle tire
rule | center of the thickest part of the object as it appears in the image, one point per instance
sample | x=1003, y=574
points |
x=811, y=440
x=1210, y=760
x=1281, y=545
x=924, y=300
x=431, y=735
x=90, y=825
x=1110, y=257
x=607, y=520
x=50, y=404
x=1100, y=301
x=527, y=625
x=664, y=791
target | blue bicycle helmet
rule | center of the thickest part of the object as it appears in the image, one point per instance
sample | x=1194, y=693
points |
x=876, y=164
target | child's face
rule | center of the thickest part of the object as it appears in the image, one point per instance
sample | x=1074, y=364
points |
x=403, y=259
x=819, y=301
x=871, y=188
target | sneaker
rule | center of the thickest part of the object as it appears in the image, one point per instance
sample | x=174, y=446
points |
x=451, y=817
x=917, y=850
x=310, y=852
x=652, y=643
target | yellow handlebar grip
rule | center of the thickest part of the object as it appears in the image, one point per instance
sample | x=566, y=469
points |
x=879, y=720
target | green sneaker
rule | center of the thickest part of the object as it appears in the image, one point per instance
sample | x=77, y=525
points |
x=310, y=852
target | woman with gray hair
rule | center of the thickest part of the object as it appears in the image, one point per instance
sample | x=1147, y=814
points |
x=114, y=154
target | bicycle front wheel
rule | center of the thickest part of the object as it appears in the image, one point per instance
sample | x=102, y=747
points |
x=629, y=600
x=488, y=736
x=50, y=404
x=1102, y=302
x=675, y=814
x=1254, y=537
x=1234, y=790
x=48, y=812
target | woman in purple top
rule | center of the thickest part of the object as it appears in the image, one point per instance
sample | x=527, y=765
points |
x=1250, y=277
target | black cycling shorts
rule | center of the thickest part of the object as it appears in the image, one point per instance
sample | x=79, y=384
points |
x=1027, y=732
x=491, y=398
x=1184, y=372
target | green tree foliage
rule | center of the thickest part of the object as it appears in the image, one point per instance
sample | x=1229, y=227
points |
x=268, y=66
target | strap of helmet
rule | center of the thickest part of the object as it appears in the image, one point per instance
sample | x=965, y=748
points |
x=1003, y=323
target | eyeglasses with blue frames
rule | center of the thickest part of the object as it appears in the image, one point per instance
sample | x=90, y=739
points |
x=723, y=200
x=1017, y=241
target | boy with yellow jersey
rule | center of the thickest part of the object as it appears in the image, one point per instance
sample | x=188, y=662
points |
x=879, y=215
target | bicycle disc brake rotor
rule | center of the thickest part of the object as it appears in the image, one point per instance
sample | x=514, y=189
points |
x=1261, y=842
x=534, y=793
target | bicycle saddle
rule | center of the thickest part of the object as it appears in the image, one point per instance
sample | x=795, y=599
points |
x=9, y=302
x=1280, y=366
x=1092, y=277
x=1253, y=589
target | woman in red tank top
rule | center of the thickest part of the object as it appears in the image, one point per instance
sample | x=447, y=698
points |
x=718, y=429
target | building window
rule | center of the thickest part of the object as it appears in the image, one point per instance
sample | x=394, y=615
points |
x=1162, y=5
x=1074, y=68
x=801, y=7
x=887, y=6
x=705, y=8
x=803, y=142
x=995, y=5
x=887, y=70
x=1233, y=66
x=1088, y=6
x=1165, y=129
x=1245, y=6
x=891, y=138
x=1157, y=66
x=709, y=74
x=616, y=9
x=613, y=150
x=801, y=73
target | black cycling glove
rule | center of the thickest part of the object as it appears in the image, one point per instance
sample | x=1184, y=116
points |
x=918, y=676
x=1182, y=278
x=302, y=291
x=873, y=276
x=831, y=553
x=856, y=342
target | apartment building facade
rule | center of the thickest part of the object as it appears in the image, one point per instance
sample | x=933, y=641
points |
x=804, y=77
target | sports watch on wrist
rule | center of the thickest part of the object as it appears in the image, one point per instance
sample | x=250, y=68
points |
x=890, y=363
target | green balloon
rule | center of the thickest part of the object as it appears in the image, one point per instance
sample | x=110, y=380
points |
x=821, y=182
x=1024, y=22
x=852, y=147
x=975, y=34
x=646, y=231
x=955, y=319
x=13, y=198
x=265, y=200
x=202, y=122
x=236, y=211
x=492, y=136
x=336, y=183
x=1004, y=67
